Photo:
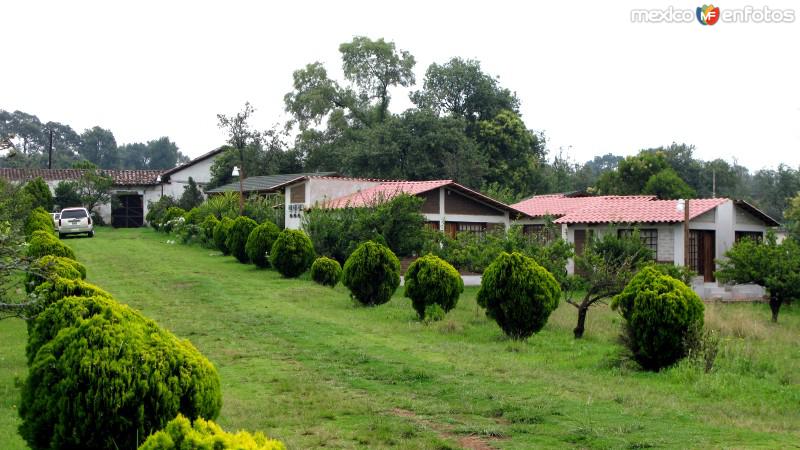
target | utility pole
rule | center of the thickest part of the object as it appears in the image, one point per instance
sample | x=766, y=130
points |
x=686, y=233
x=50, y=151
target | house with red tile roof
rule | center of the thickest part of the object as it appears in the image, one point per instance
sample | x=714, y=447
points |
x=714, y=224
x=447, y=205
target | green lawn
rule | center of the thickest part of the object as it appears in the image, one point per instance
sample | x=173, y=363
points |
x=305, y=365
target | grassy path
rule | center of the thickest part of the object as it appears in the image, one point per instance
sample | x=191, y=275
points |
x=305, y=365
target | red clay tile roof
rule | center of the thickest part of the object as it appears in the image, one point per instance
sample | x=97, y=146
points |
x=558, y=205
x=121, y=177
x=638, y=210
x=383, y=192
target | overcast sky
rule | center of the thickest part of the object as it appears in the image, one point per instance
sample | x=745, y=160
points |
x=587, y=76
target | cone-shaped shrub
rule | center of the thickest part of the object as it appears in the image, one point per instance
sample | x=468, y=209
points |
x=260, y=242
x=181, y=434
x=292, y=253
x=221, y=235
x=430, y=280
x=326, y=271
x=372, y=273
x=518, y=294
x=108, y=377
x=208, y=225
x=237, y=237
x=660, y=311
x=49, y=267
x=43, y=243
x=39, y=220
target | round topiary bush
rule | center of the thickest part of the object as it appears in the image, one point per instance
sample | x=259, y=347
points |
x=221, y=235
x=326, y=271
x=39, y=220
x=372, y=273
x=181, y=434
x=292, y=253
x=518, y=294
x=49, y=267
x=260, y=242
x=430, y=280
x=108, y=377
x=43, y=243
x=237, y=238
x=660, y=312
x=207, y=227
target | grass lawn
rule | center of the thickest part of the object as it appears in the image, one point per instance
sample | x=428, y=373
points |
x=305, y=365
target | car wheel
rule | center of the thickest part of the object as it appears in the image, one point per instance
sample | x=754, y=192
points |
x=91, y=234
x=61, y=235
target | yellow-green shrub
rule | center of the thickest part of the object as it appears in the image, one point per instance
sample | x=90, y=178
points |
x=431, y=280
x=372, y=273
x=108, y=377
x=39, y=220
x=49, y=267
x=180, y=434
x=259, y=243
x=326, y=271
x=292, y=253
x=518, y=294
x=44, y=243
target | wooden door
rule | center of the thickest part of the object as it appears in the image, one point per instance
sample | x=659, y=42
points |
x=702, y=251
x=450, y=229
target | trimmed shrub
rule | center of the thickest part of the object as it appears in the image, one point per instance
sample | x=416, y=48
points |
x=108, y=377
x=660, y=312
x=292, y=253
x=49, y=267
x=518, y=294
x=372, y=273
x=157, y=210
x=326, y=271
x=260, y=242
x=430, y=280
x=51, y=291
x=207, y=227
x=237, y=238
x=39, y=220
x=171, y=218
x=180, y=433
x=221, y=235
x=43, y=243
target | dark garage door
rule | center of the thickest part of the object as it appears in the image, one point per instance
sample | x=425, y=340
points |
x=128, y=211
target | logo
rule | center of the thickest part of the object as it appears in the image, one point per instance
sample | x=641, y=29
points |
x=707, y=14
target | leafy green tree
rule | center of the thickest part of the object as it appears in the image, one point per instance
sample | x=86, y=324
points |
x=603, y=270
x=93, y=187
x=40, y=193
x=461, y=89
x=770, y=264
x=191, y=197
x=514, y=152
x=667, y=185
x=374, y=67
x=99, y=147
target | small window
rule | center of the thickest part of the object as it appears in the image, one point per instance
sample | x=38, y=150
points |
x=471, y=227
x=649, y=238
x=755, y=236
x=539, y=233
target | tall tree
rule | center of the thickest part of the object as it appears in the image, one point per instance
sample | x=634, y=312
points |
x=460, y=88
x=99, y=147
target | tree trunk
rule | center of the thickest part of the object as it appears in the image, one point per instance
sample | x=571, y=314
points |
x=582, y=310
x=775, y=306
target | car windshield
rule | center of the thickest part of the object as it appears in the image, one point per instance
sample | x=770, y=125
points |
x=73, y=214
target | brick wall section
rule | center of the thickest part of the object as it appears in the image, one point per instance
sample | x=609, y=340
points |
x=666, y=245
